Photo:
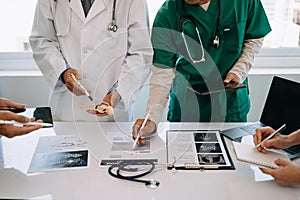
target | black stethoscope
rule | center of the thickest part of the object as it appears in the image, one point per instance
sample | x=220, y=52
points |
x=112, y=26
x=189, y=19
x=116, y=170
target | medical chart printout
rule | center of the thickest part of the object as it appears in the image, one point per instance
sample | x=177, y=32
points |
x=197, y=149
x=57, y=153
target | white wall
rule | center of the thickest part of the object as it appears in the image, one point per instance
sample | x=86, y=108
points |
x=30, y=90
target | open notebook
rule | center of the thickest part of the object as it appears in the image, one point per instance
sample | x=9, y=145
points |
x=248, y=154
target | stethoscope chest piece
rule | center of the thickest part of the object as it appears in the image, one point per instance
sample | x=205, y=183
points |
x=116, y=170
x=216, y=41
x=152, y=184
x=113, y=26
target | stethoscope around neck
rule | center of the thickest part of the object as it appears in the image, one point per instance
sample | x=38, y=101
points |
x=189, y=19
x=112, y=26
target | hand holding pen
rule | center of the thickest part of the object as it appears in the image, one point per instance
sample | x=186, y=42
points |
x=9, y=120
x=81, y=86
x=142, y=128
x=71, y=79
x=267, y=137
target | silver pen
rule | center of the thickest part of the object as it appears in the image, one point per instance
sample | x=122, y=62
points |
x=85, y=91
x=12, y=122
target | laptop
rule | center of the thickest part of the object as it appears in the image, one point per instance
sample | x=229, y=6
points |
x=282, y=106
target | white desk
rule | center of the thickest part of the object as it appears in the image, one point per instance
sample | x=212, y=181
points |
x=94, y=182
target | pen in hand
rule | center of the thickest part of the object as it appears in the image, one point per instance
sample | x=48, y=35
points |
x=271, y=135
x=12, y=122
x=138, y=135
x=85, y=91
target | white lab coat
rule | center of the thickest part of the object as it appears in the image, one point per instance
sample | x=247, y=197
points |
x=62, y=35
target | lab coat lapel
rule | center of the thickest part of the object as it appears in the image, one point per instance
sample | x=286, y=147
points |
x=76, y=6
x=97, y=7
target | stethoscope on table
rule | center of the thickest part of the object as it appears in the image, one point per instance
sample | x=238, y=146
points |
x=188, y=19
x=112, y=26
x=116, y=170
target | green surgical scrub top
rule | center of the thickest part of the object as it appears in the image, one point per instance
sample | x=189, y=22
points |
x=238, y=20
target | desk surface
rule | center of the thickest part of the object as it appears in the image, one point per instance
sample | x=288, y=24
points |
x=94, y=182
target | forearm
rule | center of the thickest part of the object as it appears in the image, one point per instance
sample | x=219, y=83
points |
x=246, y=60
x=160, y=85
x=294, y=138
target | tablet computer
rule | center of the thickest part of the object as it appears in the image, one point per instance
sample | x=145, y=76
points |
x=229, y=87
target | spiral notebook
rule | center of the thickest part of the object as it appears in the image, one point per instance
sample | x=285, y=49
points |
x=248, y=154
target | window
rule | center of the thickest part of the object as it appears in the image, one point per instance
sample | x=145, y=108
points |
x=16, y=17
x=284, y=16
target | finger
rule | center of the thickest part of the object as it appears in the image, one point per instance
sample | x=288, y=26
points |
x=258, y=135
x=261, y=149
x=11, y=131
x=95, y=112
x=147, y=130
x=141, y=142
x=136, y=127
x=267, y=171
x=16, y=105
x=231, y=77
x=15, y=117
x=101, y=114
x=267, y=144
x=11, y=104
x=25, y=129
x=281, y=162
x=228, y=79
x=77, y=90
x=255, y=139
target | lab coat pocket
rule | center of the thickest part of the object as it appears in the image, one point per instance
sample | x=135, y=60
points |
x=232, y=36
x=115, y=43
x=62, y=19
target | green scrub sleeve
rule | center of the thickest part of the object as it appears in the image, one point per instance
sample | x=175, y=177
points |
x=257, y=23
x=162, y=37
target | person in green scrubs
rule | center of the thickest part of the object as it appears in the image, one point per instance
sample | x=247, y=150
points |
x=200, y=46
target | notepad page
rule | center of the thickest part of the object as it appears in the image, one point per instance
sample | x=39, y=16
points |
x=247, y=153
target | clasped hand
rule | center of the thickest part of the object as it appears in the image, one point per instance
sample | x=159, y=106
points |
x=108, y=103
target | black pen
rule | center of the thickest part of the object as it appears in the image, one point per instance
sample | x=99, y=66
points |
x=14, y=110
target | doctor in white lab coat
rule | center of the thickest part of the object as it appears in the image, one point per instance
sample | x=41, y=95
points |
x=64, y=41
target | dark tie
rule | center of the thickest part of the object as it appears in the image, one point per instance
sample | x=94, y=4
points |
x=86, y=4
